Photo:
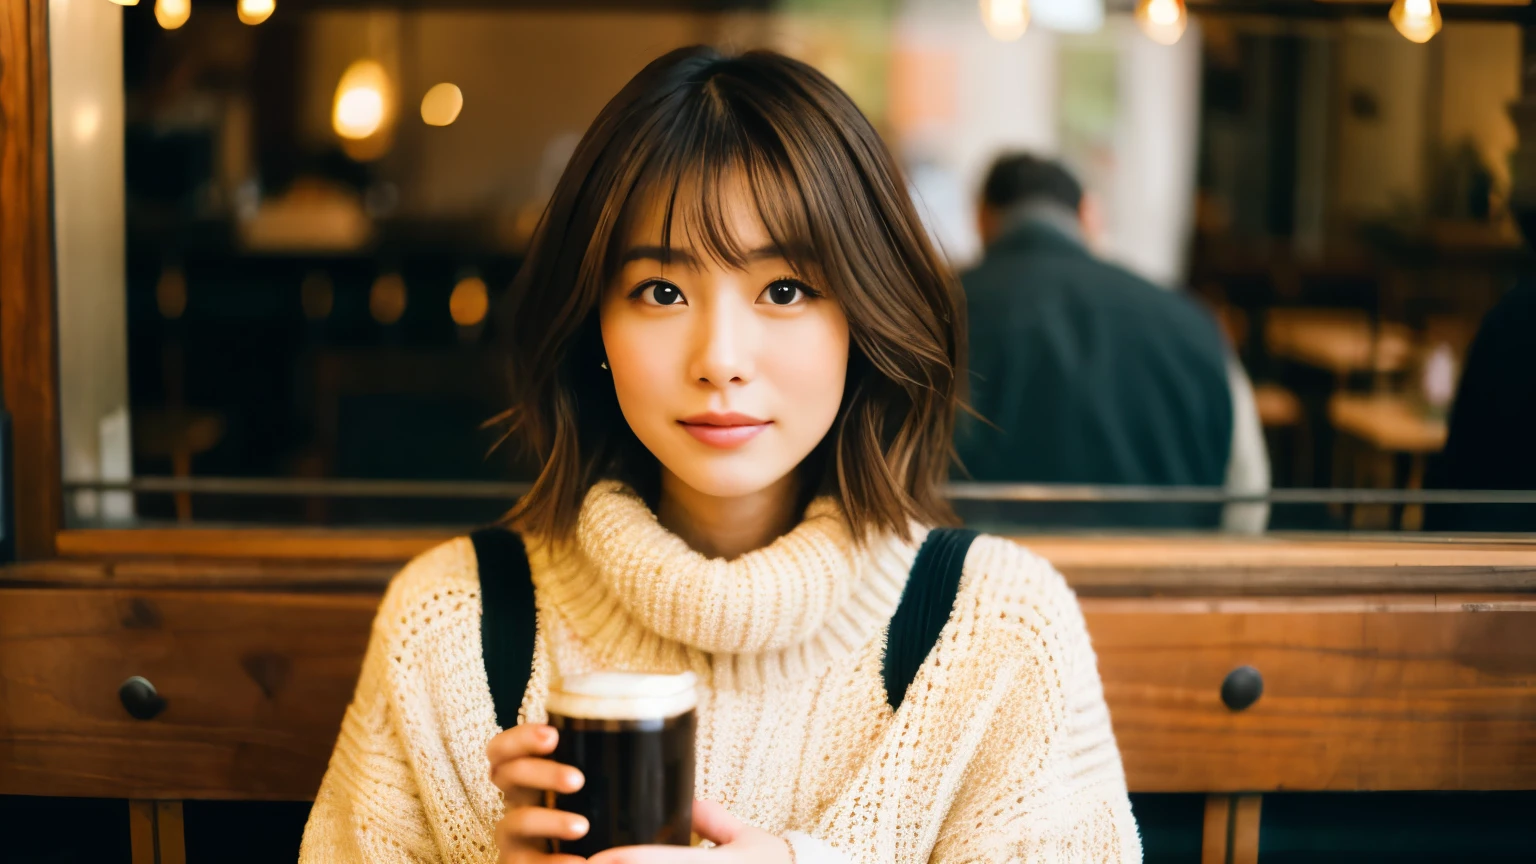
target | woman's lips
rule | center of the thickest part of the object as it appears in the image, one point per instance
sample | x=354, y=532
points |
x=724, y=430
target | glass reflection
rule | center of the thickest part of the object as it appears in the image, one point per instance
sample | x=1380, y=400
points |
x=321, y=212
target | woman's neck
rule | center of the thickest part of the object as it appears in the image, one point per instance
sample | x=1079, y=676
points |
x=727, y=527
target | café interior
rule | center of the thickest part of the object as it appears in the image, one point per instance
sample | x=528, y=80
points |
x=251, y=256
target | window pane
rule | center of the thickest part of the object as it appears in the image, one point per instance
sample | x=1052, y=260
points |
x=283, y=245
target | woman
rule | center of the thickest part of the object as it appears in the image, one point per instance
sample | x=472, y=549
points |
x=737, y=359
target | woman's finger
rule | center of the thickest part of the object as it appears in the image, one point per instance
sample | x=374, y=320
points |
x=529, y=739
x=714, y=823
x=529, y=856
x=523, y=824
x=656, y=855
x=541, y=774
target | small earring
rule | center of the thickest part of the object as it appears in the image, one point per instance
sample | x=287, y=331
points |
x=603, y=364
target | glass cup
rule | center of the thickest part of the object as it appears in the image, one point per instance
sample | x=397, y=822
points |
x=632, y=738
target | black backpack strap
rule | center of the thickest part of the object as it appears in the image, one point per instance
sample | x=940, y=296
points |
x=508, y=618
x=925, y=605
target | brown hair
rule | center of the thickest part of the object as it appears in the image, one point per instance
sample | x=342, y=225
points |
x=833, y=201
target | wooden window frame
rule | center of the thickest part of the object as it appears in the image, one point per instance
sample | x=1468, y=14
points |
x=28, y=340
x=29, y=373
x=1136, y=590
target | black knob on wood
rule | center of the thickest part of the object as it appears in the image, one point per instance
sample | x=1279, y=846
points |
x=140, y=698
x=1242, y=687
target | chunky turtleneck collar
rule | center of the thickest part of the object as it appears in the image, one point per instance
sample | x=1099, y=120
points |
x=629, y=579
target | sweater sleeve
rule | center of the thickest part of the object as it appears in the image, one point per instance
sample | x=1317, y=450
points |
x=806, y=849
x=1046, y=783
x=368, y=809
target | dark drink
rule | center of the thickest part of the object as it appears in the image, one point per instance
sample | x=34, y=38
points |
x=632, y=737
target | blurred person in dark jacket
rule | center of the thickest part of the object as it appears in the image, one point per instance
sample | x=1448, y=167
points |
x=1083, y=372
x=1492, y=444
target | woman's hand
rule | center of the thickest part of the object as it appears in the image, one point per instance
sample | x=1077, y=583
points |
x=523, y=777
x=735, y=843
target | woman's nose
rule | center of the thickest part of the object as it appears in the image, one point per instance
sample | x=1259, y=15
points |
x=726, y=346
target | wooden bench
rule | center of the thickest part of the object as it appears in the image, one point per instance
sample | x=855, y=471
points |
x=1386, y=666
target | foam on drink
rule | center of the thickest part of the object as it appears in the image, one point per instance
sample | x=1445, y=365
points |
x=623, y=696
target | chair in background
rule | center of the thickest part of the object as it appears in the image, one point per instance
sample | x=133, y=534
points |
x=178, y=435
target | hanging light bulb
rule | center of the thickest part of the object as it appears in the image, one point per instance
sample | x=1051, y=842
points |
x=1006, y=20
x=254, y=12
x=172, y=13
x=1163, y=21
x=126, y=2
x=362, y=101
x=1417, y=20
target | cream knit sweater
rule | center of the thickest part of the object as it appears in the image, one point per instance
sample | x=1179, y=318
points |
x=1001, y=751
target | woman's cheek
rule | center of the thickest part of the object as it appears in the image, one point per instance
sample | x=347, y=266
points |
x=813, y=369
x=640, y=387
x=637, y=372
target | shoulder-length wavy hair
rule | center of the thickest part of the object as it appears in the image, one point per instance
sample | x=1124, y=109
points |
x=833, y=201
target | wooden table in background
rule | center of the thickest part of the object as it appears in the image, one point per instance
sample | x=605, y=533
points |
x=1389, y=423
x=1337, y=340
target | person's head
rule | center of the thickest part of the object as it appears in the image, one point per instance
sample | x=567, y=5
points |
x=731, y=237
x=1017, y=181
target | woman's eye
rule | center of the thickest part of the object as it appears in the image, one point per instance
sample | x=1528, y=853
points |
x=786, y=292
x=661, y=294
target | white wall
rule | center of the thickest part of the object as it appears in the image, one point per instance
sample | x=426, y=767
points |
x=1151, y=213
x=86, y=65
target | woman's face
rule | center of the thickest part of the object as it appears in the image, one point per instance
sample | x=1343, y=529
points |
x=729, y=377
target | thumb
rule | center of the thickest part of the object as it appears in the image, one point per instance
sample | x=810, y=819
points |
x=714, y=823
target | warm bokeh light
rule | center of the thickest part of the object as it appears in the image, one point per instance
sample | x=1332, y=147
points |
x=171, y=293
x=386, y=300
x=359, y=112
x=316, y=296
x=442, y=104
x=1164, y=21
x=1006, y=20
x=1417, y=20
x=362, y=100
x=469, y=301
x=172, y=13
x=254, y=12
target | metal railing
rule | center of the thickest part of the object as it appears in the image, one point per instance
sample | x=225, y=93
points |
x=996, y=492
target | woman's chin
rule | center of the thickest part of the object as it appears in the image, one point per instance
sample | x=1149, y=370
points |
x=730, y=477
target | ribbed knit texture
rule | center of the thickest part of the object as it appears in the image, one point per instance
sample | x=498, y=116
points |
x=1001, y=751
